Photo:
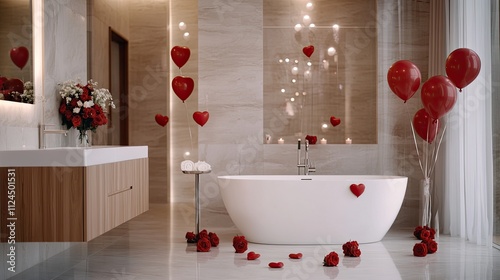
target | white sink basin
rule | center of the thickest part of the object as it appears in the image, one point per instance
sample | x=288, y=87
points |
x=71, y=156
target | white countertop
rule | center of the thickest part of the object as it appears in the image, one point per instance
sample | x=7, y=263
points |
x=71, y=156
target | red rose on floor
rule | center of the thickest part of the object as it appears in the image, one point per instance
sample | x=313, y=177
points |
x=203, y=234
x=420, y=250
x=420, y=233
x=351, y=249
x=432, y=246
x=214, y=239
x=240, y=244
x=203, y=245
x=191, y=237
x=332, y=259
x=417, y=231
x=425, y=235
x=432, y=231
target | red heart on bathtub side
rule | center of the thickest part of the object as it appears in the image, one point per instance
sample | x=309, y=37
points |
x=357, y=190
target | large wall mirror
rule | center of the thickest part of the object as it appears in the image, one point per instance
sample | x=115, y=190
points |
x=331, y=94
x=16, y=67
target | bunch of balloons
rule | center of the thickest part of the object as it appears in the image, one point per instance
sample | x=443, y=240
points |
x=183, y=86
x=439, y=93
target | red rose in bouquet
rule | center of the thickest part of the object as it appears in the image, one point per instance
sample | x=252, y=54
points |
x=82, y=106
x=240, y=244
x=420, y=250
x=203, y=245
x=332, y=259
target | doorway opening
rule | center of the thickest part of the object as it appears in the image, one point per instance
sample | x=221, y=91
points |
x=118, y=81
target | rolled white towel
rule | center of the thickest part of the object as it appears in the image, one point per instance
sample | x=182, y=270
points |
x=187, y=165
x=202, y=166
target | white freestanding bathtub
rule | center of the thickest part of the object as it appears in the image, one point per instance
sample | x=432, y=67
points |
x=317, y=209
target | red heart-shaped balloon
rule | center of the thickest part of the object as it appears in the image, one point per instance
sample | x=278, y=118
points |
x=19, y=56
x=183, y=87
x=334, y=121
x=161, y=120
x=308, y=51
x=358, y=189
x=180, y=55
x=312, y=139
x=201, y=118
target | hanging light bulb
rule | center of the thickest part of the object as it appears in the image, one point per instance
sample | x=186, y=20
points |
x=331, y=51
x=295, y=70
x=186, y=36
x=182, y=25
x=306, y=19
x=297, y=27
x=336, y=27
x=309, y=6
x=312, y=25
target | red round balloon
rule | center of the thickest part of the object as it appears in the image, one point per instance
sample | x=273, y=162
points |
x=180, y=55
x=404, y=79
x=183, y=87
x=462, y=67
x=425, y=127
x=19, y=56
x=439, y=94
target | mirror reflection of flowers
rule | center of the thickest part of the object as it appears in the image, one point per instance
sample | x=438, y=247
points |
x=27, y=96
x=84, y=106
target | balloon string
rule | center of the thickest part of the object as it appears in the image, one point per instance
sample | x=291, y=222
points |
x=189, y=127
x=414, y=139
x=438, y=146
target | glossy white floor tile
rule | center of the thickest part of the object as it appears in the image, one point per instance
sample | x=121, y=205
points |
x=152, y=246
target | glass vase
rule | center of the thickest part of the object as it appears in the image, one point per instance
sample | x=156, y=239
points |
x=85, y=139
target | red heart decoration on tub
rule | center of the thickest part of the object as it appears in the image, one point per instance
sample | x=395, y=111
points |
x=161, y=120
x=308, y=51
x=201, y=118
x=334, y=121
x=357, y=190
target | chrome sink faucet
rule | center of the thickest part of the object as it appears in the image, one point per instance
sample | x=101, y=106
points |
x=42, y=130
x=307, y=163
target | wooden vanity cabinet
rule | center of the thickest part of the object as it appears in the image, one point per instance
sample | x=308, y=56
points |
x=73, y=204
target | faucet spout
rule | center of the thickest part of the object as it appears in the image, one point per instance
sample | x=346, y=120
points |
x=306, y=164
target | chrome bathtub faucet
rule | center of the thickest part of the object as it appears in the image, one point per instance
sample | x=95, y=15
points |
x=307, y=164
